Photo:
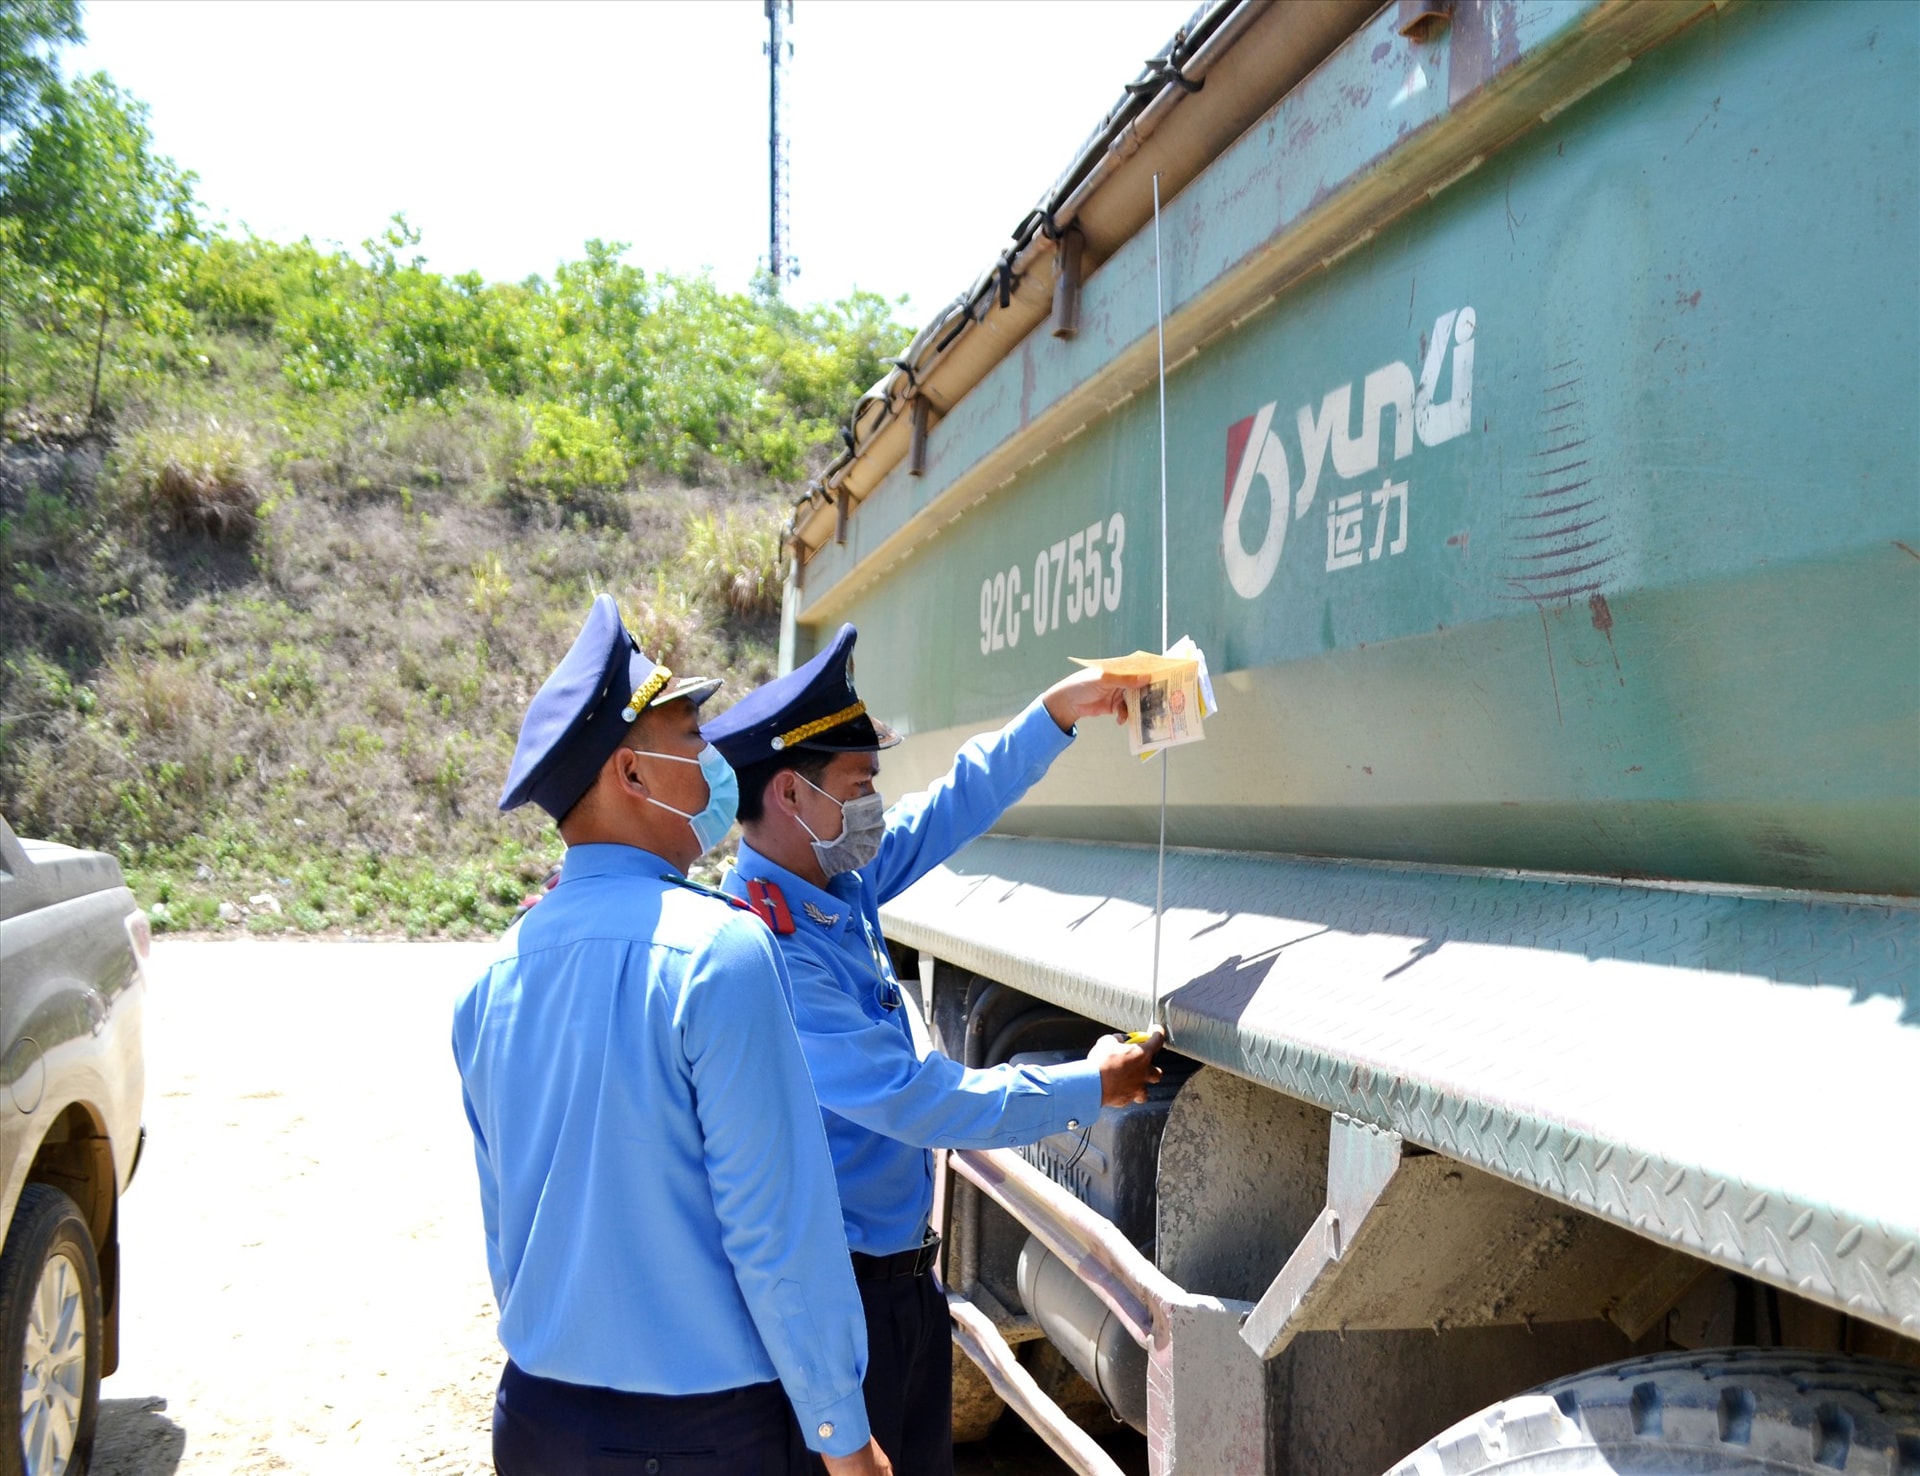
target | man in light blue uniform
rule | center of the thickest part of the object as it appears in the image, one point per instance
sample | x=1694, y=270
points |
x=662, y=1227
x=820, y=855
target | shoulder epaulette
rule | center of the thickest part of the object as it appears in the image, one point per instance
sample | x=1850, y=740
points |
x=766, y=902
x=770, y=906
x=693, y=886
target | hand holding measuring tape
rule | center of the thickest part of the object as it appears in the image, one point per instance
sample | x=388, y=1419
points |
x=1126, y=1066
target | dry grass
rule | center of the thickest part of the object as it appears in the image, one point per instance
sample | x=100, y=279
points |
x=289, y=653
x=736, y=560
x=197, y=476
x=356, y=451
x=333, y=722
x=666, y=622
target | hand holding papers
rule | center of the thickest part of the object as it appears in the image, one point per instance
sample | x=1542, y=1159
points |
x=1177, y=697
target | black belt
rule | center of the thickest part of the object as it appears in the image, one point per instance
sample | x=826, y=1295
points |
x=899, y=1265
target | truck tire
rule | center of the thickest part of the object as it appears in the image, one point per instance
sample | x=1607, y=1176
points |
x=1782, y=1412
x=50, y=1320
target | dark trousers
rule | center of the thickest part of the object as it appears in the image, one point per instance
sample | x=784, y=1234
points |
x=909, y=1386
x=545, y=1428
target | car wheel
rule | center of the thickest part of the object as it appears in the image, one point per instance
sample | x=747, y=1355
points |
x=50, y=1319
x=1781, y=1412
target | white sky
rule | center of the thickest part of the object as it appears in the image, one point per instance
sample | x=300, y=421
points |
x=922, y=130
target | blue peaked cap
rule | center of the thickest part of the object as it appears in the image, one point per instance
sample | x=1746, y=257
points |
x=583, y=710
x=813, y=706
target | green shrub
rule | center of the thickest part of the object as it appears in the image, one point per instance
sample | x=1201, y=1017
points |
x=244, y=284
x=63, y=571
x=564, y=453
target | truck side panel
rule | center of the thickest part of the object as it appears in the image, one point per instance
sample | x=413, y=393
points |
x=1570, y=523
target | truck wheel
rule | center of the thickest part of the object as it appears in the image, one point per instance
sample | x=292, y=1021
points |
x=1760, y=1410
x=976, y=1407
x=50, y=1319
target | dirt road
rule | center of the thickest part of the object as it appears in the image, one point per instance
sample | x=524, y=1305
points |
x=306, y=1289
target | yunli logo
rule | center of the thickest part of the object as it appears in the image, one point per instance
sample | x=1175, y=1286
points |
x=1255, y=451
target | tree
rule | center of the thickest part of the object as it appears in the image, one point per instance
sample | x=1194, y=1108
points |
x=30, y=30
x=595, y=319
x=87, y=205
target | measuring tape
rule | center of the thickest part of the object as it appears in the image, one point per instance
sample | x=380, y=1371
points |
x=1160, y=868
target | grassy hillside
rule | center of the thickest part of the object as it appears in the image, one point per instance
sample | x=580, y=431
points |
x=278, y=669
x=289, y=536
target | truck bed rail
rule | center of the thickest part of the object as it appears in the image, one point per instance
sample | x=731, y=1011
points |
x=1548, y=1030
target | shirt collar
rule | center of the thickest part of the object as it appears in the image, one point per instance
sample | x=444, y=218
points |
x=609, y=859
x=801, y=893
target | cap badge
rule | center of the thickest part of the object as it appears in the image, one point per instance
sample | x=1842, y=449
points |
x=651, y=689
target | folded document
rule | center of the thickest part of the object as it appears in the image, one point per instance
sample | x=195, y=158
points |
x=1170, y=709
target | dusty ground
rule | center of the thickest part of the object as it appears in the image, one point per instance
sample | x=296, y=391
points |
x=306, y=1289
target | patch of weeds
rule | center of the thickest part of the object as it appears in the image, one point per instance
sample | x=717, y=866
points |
x=489, y=589
x=328, y=722
x=735, y=560
x=665, y=621
x=420, y=896
x=195, y=476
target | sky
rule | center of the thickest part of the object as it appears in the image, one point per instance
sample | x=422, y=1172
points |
x=510, y=133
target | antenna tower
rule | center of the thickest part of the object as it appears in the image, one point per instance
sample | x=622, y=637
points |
x=780, y=262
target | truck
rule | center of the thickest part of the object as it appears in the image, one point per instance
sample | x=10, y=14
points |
x=73, y=952
x=1537, y=388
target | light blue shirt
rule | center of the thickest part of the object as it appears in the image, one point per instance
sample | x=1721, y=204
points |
x=658, y=1197
x=883, y=1105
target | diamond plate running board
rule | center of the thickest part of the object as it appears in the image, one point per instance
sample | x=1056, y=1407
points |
x=1735, y=1073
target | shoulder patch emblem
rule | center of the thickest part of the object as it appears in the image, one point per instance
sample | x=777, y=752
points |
x=825, y=919
x=769, y=906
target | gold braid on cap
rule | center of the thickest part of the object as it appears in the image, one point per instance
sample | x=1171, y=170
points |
x=819, y=725
x=654, y=684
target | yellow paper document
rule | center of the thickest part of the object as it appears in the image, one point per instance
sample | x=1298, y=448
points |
x=1170, y=709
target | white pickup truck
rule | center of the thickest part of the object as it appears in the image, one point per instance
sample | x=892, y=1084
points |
x=73, y=951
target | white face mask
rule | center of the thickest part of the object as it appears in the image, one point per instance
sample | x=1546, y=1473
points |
x=863, y=823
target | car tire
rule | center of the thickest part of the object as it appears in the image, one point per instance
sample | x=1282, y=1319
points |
x=1783, y=1412
x=50, y=1321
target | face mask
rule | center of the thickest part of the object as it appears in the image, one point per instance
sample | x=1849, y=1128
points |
x=863, y=822
x=723, y=795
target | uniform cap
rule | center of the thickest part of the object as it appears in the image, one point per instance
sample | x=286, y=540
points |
x=583, y=710
x=813, y=706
